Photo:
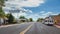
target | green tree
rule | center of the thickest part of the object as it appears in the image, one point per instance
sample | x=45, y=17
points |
x=22, y=17
x=7, y=15
x=10, y=19
x=1, y=11
x=40, y=19
x=14, y=21
x=30, y=19
x=2, y=14
x=1, y=3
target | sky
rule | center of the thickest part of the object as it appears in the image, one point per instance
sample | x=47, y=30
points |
x=33, y=8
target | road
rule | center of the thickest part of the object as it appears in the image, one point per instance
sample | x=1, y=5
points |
x=30, y=28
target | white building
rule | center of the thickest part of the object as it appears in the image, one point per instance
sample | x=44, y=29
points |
x=1, y=21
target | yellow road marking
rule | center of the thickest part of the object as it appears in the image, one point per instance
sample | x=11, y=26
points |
x=23, y=32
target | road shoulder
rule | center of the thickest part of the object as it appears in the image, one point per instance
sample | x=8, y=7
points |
x=57, y=26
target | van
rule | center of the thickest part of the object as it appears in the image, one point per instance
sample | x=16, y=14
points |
x=48, y=22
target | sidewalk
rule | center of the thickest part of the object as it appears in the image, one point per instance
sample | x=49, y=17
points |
x=7, y=25
x=57, y=26
x=10, y=25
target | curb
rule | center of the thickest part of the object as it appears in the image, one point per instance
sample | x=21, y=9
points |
x=57, y=26
x=9, y=25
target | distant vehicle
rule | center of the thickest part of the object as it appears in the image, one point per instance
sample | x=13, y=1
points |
x=48, y=22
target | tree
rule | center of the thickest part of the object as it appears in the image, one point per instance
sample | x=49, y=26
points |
x=30, y=19
x=22, y=17
x=1, y=3
x=10, y=19
x=40, y=19
x=7, y=15
x=2, y=14
x=14, y=20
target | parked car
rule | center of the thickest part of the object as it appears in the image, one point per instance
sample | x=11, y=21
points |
x=48, y=22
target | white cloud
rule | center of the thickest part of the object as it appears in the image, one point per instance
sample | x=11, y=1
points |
x=6, y=9
x=34, y=16
x=24, y=3
x=41, y=15
x=30, y=11
x=42, y=12
x=17, y=15
x=50, y=13
x=23, y=11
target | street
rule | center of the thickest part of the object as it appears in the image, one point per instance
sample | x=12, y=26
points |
x=29, y=16
x=35, y=28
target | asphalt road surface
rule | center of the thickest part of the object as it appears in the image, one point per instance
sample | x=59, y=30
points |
x=36, y=28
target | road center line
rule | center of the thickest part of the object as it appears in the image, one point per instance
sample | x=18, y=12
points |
x=23, y=32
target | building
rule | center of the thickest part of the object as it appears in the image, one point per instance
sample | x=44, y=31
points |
x=57, y=19
x=3, y=20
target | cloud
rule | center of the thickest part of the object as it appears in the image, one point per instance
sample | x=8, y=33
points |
x=17, y=15
x=34, y=16
x=24, y=3
x=18, y=4
x=6, y=9
x=50, y=13
x=30, y=11
x=46, y=14
x=42, y=12
x=23, y=12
